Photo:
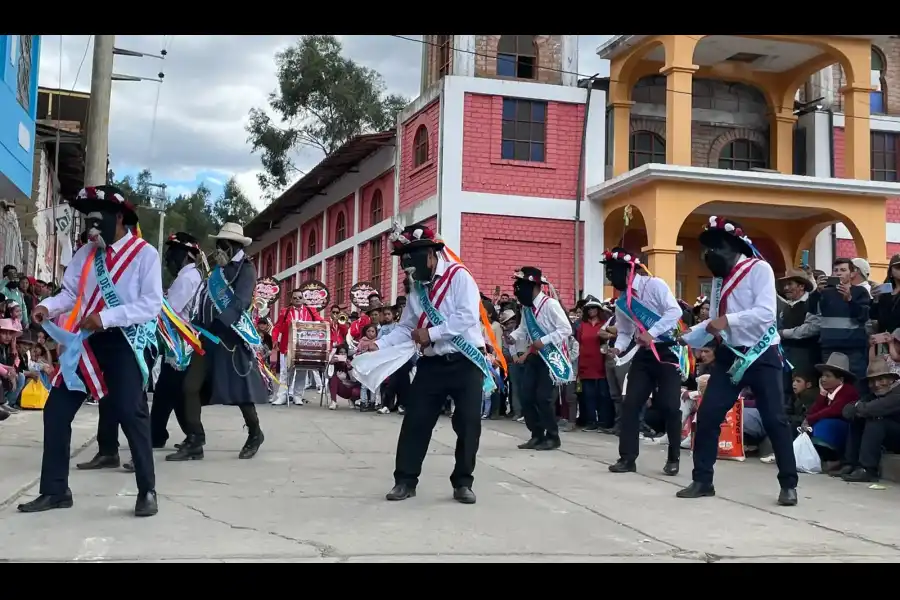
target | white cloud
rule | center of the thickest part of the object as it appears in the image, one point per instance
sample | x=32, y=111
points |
x=211, y=84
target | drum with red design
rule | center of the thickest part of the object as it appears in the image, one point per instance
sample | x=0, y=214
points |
x=310, y=344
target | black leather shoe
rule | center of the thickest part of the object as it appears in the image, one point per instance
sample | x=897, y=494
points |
x=787, y=497
x=697, y=490
x=254, y=441
x=100, y=462
x=129, y=466
x=188, y=450
x=845, y=470
x=401, y=491
x=623, y=466
x=146, y=505
x=860, y=475
x=464, y=495
x=671, y=468
x=549, y=444
x=530, y=444
x=46, y=502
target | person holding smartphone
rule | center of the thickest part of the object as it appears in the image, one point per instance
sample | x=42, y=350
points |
x=843, y=311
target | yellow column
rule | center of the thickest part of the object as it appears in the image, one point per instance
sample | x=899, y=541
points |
x=621, y=132
x=679, y=88
x=781, y=151
x=661, y=262
x=857, y=141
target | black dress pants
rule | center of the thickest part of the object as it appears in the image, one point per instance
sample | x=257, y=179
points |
x=867, y=438
x=436, y=378
x=124, y=403
x=168, y=397
x=763, y=378
x=662, y=379
x=538, y=399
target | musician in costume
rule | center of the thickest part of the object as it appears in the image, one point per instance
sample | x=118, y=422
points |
x=648, y=313
x=113, y=289
x=540, y=341
x=340, y=326
x=289, y=375
x=180, y=258
x=443, y=318
x=229, y=371
x=743, y=313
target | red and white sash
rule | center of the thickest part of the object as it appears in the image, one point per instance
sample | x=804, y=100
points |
x=439, y=290
x=116, y=263
x=722, y=288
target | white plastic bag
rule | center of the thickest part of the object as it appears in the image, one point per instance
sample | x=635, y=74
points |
x=805, y=454
x=372, y=368
x=156, y=370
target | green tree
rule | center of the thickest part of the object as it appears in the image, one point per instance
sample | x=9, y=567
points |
x=232, y=205
x=323, y=100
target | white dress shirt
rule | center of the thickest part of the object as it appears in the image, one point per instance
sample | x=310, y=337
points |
x=183, y=290
x=751, y=308
x=551, y=318
x=139, y=285
x=461, y=309
x=654, y=293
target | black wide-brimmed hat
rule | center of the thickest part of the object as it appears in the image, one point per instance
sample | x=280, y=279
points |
x=720, y=228
x=105, y=198
x=621, y=256
x=590, y=301
x=184, y=240
x=413, y=237
x=531, y=274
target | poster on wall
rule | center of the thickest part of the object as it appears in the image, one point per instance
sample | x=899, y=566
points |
x=315, y=294
x=264, y=296
x=359, y=295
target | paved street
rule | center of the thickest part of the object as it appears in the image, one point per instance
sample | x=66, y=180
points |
x=316, y=492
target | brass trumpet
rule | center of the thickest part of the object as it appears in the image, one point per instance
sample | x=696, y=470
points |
x=343, y=319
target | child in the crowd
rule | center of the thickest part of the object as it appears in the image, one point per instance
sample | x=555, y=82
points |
x=806, y=390
x=498, y=381
x=886, y=346
x=388, y=323
x=341, y=383
x=10, y=364
x=40, y=366
x=369, y=398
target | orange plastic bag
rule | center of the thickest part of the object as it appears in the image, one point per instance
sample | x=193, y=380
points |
x=731, y=435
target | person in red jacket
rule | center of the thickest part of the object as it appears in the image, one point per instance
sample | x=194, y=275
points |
x=289, y=376
x=597, y=403
x=824, y=418
x=338, y=330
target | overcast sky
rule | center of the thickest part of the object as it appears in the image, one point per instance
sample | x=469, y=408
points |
x=211, y=83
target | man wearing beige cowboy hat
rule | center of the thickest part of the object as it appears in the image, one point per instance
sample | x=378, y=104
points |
x=874, y=424
x=800, y=344
x=228, y=371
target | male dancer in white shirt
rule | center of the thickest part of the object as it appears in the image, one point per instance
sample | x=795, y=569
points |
x=540, y=347
x=646, y=312
x=442, y=316
x=182, y=252
x=122, y=296
x=743, y=312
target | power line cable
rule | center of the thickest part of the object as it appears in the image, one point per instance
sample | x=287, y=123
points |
x=583, y=76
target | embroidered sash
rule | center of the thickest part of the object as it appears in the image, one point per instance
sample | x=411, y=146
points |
x=721, y=290
x=459, y=342
x=222, y=296
x=648, y=318
x=561, y=370
x=140, y=337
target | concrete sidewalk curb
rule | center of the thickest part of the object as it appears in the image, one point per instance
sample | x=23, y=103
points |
x=25, y=488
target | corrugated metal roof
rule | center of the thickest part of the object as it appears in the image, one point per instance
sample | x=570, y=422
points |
x=332, y=168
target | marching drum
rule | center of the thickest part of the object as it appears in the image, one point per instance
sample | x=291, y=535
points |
x=310, y=344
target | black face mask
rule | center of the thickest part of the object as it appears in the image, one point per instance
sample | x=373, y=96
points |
x=720, y=260
x=524, y=292
x=174, y=258
x=618, y=276
x=416, y=265
x=101, y=228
